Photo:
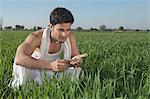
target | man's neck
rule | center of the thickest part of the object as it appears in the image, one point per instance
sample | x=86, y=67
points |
x=52, y=39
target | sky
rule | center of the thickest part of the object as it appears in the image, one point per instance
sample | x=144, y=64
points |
x=131, y=14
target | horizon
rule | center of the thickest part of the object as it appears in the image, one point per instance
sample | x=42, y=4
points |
x=131, y=14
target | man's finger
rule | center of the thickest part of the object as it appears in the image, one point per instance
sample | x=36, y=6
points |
x=62, y=65
x=67, y=61
x=64, y=61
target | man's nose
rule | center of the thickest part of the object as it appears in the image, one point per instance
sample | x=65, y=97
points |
x=64, y=34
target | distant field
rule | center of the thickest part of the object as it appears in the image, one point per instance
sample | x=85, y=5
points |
x=118, y=66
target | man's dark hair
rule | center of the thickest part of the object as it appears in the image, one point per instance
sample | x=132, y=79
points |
x=61, y=15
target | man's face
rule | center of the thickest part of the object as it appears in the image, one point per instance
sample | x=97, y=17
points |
x=60, y=32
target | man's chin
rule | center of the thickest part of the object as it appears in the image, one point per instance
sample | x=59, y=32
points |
x=61, y=41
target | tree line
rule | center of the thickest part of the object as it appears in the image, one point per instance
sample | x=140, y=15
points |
x=20, y=27
x=101, y=28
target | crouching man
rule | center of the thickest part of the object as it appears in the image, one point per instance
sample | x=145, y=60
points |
x=40, y=52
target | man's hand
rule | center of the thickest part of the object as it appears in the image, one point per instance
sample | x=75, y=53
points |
x=59, y=65
x=77, y=60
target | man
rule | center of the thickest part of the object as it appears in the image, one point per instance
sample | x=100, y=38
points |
x=41, y=50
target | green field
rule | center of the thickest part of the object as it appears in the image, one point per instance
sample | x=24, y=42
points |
x=118, y=66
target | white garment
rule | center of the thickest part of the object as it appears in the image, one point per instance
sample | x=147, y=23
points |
x=22, y=74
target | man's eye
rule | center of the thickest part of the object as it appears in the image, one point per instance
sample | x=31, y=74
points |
x=69, y=30
x=61, y=30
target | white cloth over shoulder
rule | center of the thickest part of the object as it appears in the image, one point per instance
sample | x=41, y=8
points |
x=22, y=74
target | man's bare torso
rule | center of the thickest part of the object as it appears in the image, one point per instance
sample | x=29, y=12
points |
x=53, y=47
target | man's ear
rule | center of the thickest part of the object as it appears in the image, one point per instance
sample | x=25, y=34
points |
x=50, y=26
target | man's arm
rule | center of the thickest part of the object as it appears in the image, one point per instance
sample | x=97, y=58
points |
x=25, y=50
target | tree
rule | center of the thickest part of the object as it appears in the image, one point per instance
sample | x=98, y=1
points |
x=37, y=28
x=8, y=27
x=18, y=27
x=79, y=29
x=93, y=29
x=34, y=28
x=0, y=26
x=102, y=28
x=1, y=23
x=137, y=30
x=121, y=28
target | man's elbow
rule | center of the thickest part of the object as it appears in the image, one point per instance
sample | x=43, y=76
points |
x=19, y=59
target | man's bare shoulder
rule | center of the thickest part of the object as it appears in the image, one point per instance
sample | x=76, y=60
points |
x=71, y=35
x=34, y=38
x=37, y=34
